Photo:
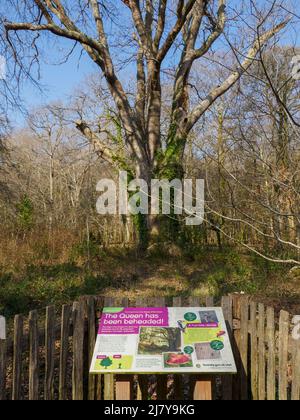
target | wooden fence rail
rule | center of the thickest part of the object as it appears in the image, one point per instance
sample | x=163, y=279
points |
x=47, y=355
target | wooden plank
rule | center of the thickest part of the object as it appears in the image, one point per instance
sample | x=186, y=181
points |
x=283, y=354
x=261, y=353
x=124, y=387
x=203, y=388
x=99, y=302
x=49, y=353
x=78, y=346
x=296, y=373
x=91, y=315
x=109, y=379
x=194, y=301
x=85, y=352
x=17, y=358
x=33, y=356
x=3, y=359
x=254, y=350
x=271, y=358
x=64, y=352
x=244, y=346
x=210, y=301
x=227, y=379
x=236, y=307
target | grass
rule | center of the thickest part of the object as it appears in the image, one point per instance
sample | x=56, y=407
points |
x=55, y=280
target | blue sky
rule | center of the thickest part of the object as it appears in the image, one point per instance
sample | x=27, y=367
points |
x=58, y=81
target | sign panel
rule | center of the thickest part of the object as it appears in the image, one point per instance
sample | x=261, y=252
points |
x=162, y=340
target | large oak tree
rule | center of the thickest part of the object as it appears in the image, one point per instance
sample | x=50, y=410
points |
x=184, y=30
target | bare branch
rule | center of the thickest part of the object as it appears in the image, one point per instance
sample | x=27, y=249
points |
x=234, y=77
x=99, y=146
x=142, y=30
x=160, y=24
x=182, y=16
x=219, y=28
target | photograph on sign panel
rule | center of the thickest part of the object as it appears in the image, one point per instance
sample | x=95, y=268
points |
x=177, y=360
x=156, y=340
x=205, y=352
x=208, y=317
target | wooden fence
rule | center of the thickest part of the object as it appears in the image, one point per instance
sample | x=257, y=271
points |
x=47, y=355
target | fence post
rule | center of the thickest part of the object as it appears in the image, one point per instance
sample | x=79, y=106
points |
x=49, y=353
x=261, y=352
x=33, y=356
x=17, y=358
x=254, y=351
x=236, y=308
x=78, y=347
x=227, y=380
x=244, y=346
x=271, y=362
x=283, y=354
x=92, y=334
x=2, y=358
x=64, y=352
x=296, y=373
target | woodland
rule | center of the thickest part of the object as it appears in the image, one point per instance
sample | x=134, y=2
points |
x=197, y=89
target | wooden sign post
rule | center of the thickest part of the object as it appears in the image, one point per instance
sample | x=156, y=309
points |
x=124, y=387
x=202, y=388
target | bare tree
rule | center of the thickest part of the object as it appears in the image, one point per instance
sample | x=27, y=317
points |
x=250, y=152
x=183, y=30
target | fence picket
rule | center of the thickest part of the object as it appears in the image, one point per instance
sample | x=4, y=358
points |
x=64, y=352
x=33, y=356
x=244, y=346
x=261, y=353
x=99, y=303
x=236, y=307
x=78, y=350
x=49, y=353
x=3, y=355
x=296, y=373
x=271, y=359
x=254, y=350
x=17, y=358
x=91, y=344
x=210, y=301
x=227, y=380
x=283, y=354
x=109, y=379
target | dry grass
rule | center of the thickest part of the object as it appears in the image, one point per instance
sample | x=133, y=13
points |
x=36, y=271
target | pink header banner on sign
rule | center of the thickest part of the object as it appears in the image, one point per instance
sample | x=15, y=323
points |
x=129, y=320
